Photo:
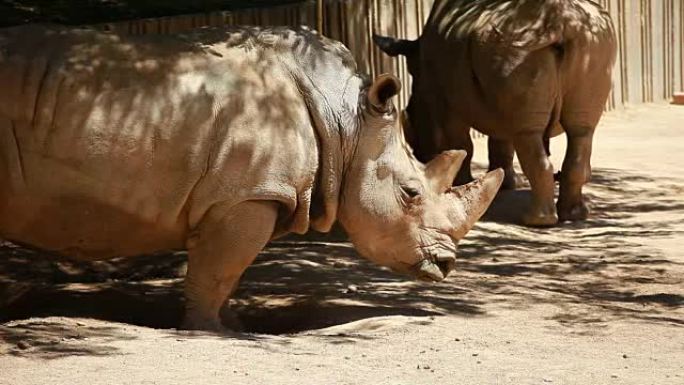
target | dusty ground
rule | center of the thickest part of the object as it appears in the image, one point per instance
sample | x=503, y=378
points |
x=595, y=303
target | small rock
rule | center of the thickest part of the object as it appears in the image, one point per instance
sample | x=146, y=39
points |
x=475, y=354
x=352, y=289
x=613, y=376
x=23, y=345
x=495, y=259
x=624, y=356
x=457, y=339
x=426, y=366
x=479, y=362
x=547, y=380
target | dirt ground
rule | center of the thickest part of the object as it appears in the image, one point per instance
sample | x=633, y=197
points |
x=600, y=302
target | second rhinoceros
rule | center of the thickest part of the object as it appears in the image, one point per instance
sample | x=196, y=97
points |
x=519, y=71
x=215, y=141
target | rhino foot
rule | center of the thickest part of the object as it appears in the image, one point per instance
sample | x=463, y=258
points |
x=228, y=323
x=195, y=323
x=539, y=218
x=510, y=181
x=570, y=213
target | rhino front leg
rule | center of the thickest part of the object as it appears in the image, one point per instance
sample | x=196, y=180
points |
x=460, y=139
x=501, y=154
x=224, y=244
x=575, y=173
x=537, y=166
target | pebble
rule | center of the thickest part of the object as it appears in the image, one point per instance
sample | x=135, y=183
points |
x=23, y=345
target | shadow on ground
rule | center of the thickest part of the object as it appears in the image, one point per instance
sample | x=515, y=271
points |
x=604, y=269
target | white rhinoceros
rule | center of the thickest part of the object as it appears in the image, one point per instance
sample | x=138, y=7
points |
x=520, y=71
x=215, y=141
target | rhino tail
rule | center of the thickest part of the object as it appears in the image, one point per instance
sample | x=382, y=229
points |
x=554, y=127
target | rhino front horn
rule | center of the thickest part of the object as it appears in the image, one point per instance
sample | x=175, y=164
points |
x=442, y=169
x=476, y=197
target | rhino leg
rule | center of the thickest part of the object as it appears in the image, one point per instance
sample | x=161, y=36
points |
x=501, y=154
x=575, y=173
x=224, y=244
x=460, y=139
x=537, y=166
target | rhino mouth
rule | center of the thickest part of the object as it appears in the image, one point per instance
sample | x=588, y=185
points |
x=434, y=267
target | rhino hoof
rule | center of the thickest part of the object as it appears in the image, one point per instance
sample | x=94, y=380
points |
x=536, y=220
x=212, y=325
x=510, y=181
x=577, y=212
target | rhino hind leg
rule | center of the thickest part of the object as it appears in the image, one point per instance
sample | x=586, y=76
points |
x=537, y=166
x=576, y=171
x=501, y=154
x=224, y=244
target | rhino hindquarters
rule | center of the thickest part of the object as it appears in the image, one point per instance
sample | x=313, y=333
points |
x=222, y=246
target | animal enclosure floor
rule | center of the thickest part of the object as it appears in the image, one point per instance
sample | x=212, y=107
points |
x=600, y=302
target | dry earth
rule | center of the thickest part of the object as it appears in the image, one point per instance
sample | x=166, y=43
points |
x=600, y=302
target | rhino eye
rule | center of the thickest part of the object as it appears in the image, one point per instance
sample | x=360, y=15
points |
x=412, y=192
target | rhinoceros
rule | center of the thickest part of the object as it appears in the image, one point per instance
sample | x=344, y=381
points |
x=519, y=72
x=215, y=141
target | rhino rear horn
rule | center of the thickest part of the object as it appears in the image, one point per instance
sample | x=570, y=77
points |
x=476, y=197
x=442, y=169
x=394, y=47
x=381, y=92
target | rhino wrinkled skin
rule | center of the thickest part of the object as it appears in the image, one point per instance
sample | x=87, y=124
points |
x=215, y=141
x=520, y=72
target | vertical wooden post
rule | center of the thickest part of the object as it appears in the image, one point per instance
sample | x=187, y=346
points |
x=319, y=16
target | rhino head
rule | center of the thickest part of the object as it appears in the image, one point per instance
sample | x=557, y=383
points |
x=399, y=212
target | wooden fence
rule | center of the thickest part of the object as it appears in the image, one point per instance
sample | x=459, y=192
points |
x=651, y=36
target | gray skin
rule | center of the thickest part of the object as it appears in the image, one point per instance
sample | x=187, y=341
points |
x=215, y=141
x=520, y=72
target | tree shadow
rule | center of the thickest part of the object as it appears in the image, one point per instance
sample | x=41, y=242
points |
x=597, y=271
x=52, y=339
x=608, y=267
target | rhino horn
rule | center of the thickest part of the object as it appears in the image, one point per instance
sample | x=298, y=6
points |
x=442, y=169
x=476, y=197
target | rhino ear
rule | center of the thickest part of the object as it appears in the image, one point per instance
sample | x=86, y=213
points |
x=381, y=92
x=394, y=47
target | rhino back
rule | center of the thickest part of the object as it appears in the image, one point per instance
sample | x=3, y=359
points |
x=514, y=59
x=117, y=145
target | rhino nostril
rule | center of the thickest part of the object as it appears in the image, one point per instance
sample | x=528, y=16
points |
x=445, y=266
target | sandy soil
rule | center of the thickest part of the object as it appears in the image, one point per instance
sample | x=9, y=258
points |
x=595, y=303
